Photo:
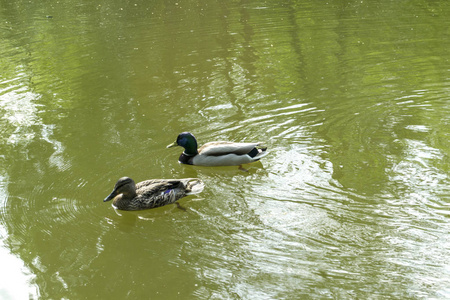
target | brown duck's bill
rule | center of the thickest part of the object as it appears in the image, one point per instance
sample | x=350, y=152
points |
x=174, y=144
x=110, y=196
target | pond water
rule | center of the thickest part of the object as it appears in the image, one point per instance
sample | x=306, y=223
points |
x=351, y=98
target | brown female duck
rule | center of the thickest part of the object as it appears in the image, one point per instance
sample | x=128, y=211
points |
x=127, y=195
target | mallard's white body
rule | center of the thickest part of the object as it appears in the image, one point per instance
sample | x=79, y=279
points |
x=223, y=153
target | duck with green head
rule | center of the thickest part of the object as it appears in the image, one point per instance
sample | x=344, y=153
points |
x=127, y=195
x=220, y=153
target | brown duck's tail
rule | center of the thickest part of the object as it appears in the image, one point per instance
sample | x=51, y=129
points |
x=194, y=186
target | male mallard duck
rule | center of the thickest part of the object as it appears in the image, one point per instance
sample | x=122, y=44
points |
x=151, y=193
x=217, y=153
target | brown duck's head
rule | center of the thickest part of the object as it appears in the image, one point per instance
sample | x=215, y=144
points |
x=124, y=185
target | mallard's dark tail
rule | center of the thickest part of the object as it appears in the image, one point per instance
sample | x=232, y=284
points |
x=258, y=152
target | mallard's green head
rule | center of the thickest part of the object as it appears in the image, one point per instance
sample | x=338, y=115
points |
x=187, y=141
x=124, y=185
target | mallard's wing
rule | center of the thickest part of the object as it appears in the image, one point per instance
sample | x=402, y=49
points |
x=224, y=148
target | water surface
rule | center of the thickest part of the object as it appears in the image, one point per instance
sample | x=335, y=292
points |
x=352, y=99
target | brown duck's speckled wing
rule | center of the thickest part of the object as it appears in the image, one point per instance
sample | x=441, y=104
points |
x=155, y=193
x=145, y=183
x=155, y=188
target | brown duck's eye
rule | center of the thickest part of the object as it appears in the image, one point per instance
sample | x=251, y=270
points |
x=122, y=183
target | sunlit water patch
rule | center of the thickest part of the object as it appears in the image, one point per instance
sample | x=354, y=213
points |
x=20, y=114
x=16, y=280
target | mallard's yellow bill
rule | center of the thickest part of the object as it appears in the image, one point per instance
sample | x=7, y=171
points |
x=174, y=144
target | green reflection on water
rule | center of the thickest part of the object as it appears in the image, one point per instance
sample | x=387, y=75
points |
x=351, y=97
